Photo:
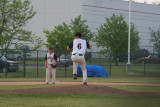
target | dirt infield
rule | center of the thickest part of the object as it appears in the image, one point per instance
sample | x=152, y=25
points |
x=93, y=88
x=78, y=89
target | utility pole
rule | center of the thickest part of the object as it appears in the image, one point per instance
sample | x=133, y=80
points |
x=128, y=67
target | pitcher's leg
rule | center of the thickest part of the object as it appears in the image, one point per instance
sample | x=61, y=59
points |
x=75, y=67
x=83, y=67
x=75, y=70
x=74, y=59
x=53, y=76
x=47, y=75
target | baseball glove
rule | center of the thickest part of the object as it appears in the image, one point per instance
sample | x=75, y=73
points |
x=53, y=65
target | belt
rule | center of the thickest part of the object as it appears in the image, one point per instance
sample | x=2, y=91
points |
x=77, y=54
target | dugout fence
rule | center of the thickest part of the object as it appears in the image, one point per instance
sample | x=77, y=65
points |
x=31, y=64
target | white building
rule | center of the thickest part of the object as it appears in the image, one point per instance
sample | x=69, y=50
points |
x=53, y=12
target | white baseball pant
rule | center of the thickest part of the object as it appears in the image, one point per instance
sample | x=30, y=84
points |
x=81, y=61
x=48, y=71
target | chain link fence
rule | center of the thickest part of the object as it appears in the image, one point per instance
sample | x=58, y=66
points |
x=31, y=64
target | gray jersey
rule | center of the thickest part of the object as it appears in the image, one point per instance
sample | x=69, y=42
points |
x=50, y=58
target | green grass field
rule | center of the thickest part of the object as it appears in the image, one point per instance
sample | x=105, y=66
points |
x=90, y=79
x=138, y=75
x=24, y=100
x=71, y=100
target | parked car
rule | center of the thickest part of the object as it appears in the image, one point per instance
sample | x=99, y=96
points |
x=139, y=53
x=64, y=60
x=20, y=53
x=149, y=59
x=10, y=57
x=8, y=66
x=21, y=57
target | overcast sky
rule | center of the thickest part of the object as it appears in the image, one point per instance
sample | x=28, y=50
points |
x=148, y=1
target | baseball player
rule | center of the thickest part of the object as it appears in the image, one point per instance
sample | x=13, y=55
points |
x=50, y=65
x=79, y=48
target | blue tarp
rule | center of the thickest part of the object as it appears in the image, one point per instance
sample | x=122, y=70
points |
x=93, y=71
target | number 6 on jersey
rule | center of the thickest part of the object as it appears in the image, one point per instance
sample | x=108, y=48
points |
x=79, y=46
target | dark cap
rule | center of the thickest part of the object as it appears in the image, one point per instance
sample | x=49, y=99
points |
x=50, y=48
x=78, y=34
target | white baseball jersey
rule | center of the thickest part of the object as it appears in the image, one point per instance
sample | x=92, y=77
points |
x=79, y=46
x=50, y=58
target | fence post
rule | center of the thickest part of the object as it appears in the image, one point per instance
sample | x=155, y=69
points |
x=110, y=63
x=99, y=58
x=24, y=63
x=90, y=60
x=153, y=49
x=144, y=67
x=6, y=71
x=37, y=64
x=65, y=64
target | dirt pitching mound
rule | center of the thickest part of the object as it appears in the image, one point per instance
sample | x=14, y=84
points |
x=77, y=89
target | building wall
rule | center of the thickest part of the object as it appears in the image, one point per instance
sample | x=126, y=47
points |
x=143, y=16
x=53, y=12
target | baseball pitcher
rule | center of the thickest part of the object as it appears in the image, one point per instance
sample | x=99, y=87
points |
x=50, y=65
x=79, y=48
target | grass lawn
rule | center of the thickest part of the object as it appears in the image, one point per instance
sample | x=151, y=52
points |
x=14, y=87
x=90, y=79
x=154, y=89
x=31, y=100
x=10, y=87
x=71, y=100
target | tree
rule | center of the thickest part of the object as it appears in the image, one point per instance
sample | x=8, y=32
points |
x=79, y=25
x=156, y=3
x=62, y=34
x=14, y=15
x=59, y=37
x=113, y=36
x=155, y=38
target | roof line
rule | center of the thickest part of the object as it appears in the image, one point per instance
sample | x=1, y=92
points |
x=121, y=9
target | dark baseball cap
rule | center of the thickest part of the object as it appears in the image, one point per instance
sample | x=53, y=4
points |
x=78, y=34
x=50, y=48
